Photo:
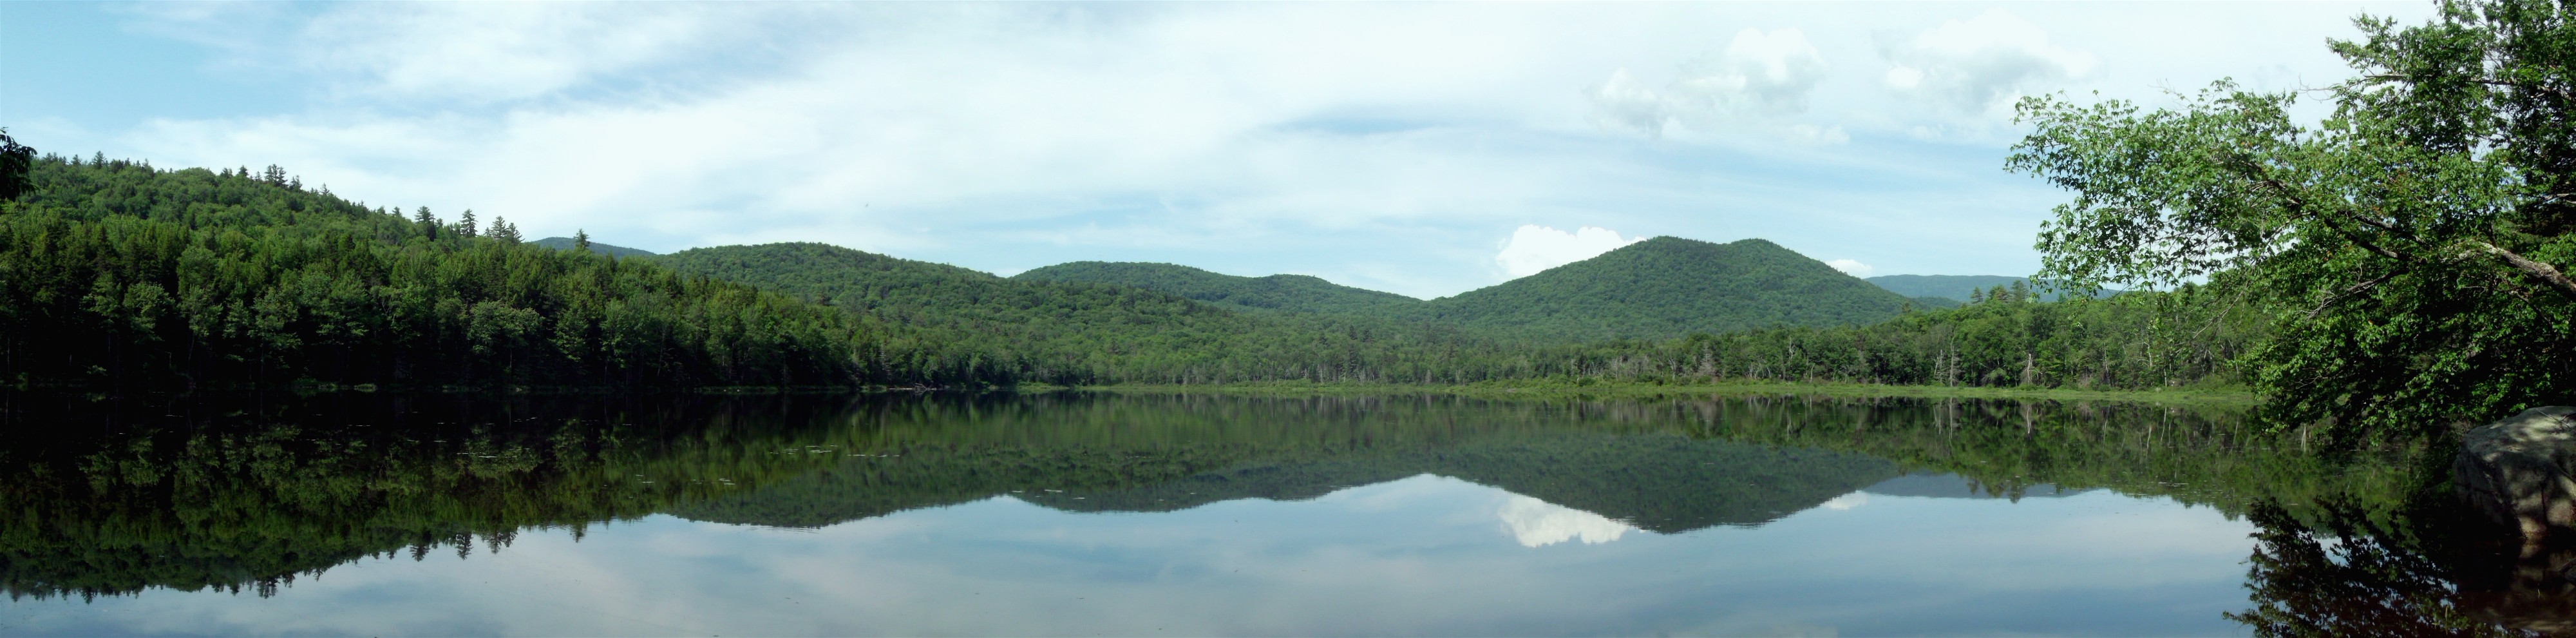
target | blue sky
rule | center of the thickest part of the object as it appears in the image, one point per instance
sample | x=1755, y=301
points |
x=1424, y=149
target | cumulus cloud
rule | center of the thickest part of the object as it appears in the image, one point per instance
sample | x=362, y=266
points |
x=1982, y=63
x=1761, y=74
x=1850, y=267
x=1537, y=523
x=1533, y=248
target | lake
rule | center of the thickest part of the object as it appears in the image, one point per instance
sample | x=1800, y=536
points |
x=1142, y=515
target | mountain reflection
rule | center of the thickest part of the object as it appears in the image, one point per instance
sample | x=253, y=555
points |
x=249, y=493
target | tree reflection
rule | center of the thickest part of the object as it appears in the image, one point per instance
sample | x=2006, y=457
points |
x=2427, y=568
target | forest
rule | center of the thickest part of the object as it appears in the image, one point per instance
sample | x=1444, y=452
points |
x=117, y=274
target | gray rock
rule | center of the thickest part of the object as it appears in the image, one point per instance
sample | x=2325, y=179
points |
x=2519, y=470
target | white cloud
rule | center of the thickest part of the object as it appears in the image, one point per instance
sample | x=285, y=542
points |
x=1533, y=248
x=1761, y=75
x=1537, y=523
x=1983, y=63
x=1851, y=267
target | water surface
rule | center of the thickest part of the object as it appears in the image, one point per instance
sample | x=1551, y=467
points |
x=1180, y=515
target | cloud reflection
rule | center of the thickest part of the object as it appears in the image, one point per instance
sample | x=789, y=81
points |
x=1537, y=523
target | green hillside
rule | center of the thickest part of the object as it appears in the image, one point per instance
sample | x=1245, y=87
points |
x=974, y=326
x=1296, y=293
x=1659, y=289
x=566, y=243
x=1669, y=287
x=117, y=274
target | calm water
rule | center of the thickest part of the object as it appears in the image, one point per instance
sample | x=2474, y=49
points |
x=1194, y=515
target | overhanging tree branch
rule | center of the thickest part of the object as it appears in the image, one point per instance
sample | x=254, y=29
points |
x=2536, y=269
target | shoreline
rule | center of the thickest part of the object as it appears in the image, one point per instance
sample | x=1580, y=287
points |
x=1649, y=390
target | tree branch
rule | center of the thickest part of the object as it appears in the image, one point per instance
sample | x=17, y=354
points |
x=2348, y=291
x=2527, y=86
x=2537, y=270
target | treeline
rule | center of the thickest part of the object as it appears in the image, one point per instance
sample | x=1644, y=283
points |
x=116, y=273
x=2005, y=339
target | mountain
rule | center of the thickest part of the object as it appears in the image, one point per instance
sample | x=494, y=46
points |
x=969, y=325
x=1957, y=287
x=1295, y=293
x=1657, y=289
x=1669, y=287
x=565, y=243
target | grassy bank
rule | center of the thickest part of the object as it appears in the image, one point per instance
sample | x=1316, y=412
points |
x=1553, y=389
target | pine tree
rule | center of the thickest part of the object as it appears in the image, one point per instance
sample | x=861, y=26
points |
x=15, y=162
x=504, y=231
x=428, y=223
x=581, y=240
x=465, y=223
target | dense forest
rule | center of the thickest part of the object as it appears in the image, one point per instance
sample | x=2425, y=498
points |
x=115, y=273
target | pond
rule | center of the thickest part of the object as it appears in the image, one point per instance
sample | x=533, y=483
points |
x=1186, y=515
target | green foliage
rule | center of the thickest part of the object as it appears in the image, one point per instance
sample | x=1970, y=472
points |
x=113, y=273
x=2138, y=341
x=1295, y=293
x=15, y=162
x=2407, y=247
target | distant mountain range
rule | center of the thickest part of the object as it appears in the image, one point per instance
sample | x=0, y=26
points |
x=565, y=243
x=1294, y=293
x=1957, y=287
x=1661, y=288
x=1657, y=289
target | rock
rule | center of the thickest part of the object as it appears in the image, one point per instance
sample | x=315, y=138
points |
x=2519, y=471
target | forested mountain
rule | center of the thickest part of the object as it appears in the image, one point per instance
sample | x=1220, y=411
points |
x=116, y=273
x=1964, y=288
x=568, y=243
x=1659, y=289
x=973, y=325
x=1295, y=293
x=1668, y=287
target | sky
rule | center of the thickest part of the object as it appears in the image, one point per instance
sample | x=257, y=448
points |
x=1422, y=149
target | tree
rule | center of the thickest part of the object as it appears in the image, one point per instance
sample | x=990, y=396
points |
x=428, y=223
x=2409, y=246
x=465, y=223
x=15, y=161
x=504, y=231
x=581, y=240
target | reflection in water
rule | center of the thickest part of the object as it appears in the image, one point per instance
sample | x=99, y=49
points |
x=1537, y=523
x=1847, y=501
x=2430, y=567
x=1861, y=516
